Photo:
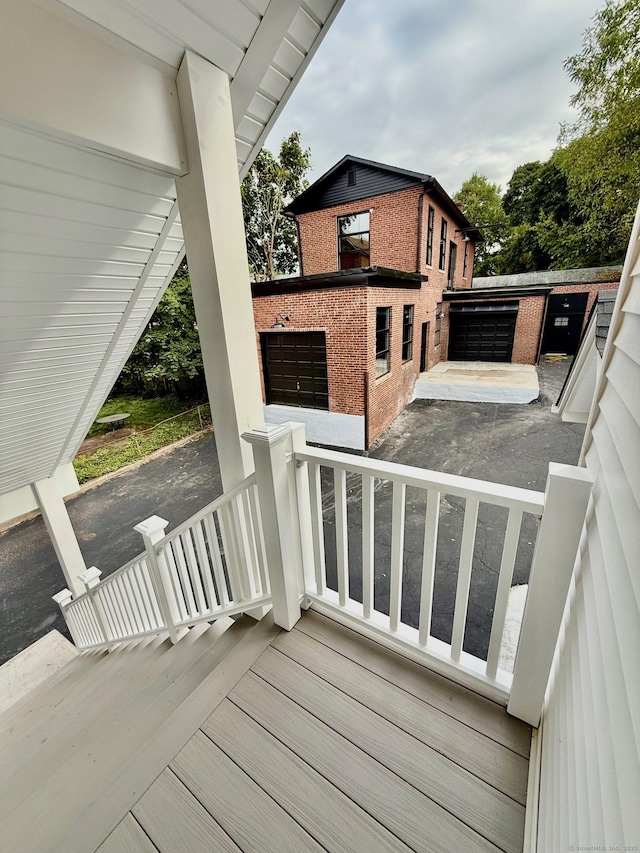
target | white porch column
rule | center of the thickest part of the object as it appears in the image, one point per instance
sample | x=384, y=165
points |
x=565, y=505
x=211, y=213
x=269, y=451
x=63, y=537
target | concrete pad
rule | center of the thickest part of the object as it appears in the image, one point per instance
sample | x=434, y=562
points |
x=32, y=666
x=479, y=382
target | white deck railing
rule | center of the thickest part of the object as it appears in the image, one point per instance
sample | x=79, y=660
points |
x=434, y=486
x=265, y=542
x=211, y=566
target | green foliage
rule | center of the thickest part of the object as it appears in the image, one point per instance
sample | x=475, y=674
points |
x=482, y=205
x=167, y=358
x=601, y=153
x=137, y=446
x=268, y=186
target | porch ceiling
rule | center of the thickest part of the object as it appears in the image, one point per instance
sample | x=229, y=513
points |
x=90, y=231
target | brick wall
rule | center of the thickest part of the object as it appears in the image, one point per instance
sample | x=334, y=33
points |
x=397, y=222
x=389, y=394
x=342, y=315
x=348, y=317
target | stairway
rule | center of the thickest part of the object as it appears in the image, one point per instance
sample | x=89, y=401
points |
x=78, y=751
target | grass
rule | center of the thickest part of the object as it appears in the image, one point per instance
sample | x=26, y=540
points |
x=144, y=413
x=140, y=443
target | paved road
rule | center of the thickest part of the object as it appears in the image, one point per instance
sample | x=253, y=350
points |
x=504, y=443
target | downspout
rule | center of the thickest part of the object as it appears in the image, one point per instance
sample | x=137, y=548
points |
x=299, y=239
x=420, y=229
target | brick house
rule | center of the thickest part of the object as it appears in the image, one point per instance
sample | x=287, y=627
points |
x=343, y=344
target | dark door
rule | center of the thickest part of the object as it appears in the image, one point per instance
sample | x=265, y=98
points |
x=424, y=343
x=451, y=273
x=481, y=334
x=563, y=326
x=295, y=368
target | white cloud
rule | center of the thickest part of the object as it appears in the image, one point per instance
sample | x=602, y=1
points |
x=446, y=89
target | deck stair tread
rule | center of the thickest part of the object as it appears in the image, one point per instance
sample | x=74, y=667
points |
x=129, y=714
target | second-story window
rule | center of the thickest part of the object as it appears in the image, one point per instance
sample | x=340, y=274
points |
x=465, y=260
x=443, y=244
x=407, y=333
x=430, y=217
x=383, y=325
x=353, y=241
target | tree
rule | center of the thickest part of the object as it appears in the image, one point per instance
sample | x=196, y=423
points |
x=481, y=203
x=600, y=156
x=538, y=205
x=167, y=358
x=268, y=186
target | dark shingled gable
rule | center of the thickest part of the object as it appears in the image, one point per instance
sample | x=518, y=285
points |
x=604, y=311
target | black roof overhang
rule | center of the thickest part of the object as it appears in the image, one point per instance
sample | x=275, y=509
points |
x=502, y=293
x=360, y=277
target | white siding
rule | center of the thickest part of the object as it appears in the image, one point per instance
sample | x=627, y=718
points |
x=80, y=272
x=590, y=773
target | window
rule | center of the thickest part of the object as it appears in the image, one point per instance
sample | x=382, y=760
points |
x=561, y=321
x=383, y=324
x=353, y=241
x=465, y=260
x=407, y=333
x=430, y=215
x=436, y=333
x=351, y=177
x=443, y=243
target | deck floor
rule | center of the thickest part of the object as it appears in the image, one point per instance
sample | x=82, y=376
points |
x=331, y=742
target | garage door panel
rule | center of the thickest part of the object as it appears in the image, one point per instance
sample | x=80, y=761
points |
x=482, y=336
x=295, y=369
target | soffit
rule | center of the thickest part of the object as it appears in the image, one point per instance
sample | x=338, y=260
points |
x=89, y=241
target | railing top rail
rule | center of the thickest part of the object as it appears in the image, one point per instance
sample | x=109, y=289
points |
x=212, y=507
x=451, y=484
x=105, y=580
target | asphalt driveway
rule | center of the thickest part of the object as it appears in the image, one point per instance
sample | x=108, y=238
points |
x=505, y=443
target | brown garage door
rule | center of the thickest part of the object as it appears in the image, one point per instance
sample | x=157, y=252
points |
x=482, y=332
x=295, y=368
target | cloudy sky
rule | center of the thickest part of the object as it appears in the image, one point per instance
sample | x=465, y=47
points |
x=446, y=88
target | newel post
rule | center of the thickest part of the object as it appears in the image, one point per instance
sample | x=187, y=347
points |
x=269, y=453
x=91, y=578
x=152, y=531
x=63, y=599
x=566, y=499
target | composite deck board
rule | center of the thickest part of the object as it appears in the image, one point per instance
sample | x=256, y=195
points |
x=176, y=822
x=476, y=711
x=417, y=820
x=494, y=763
x=487, y=811
x=249, y=816
x=334, y=820
x=127, y=837
x=260, y=740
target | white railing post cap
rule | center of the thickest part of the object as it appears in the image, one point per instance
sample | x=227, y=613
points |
x=63, y=597
x=151, y=525
x=268, y=434
x=90, y=577
x=570, y=472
